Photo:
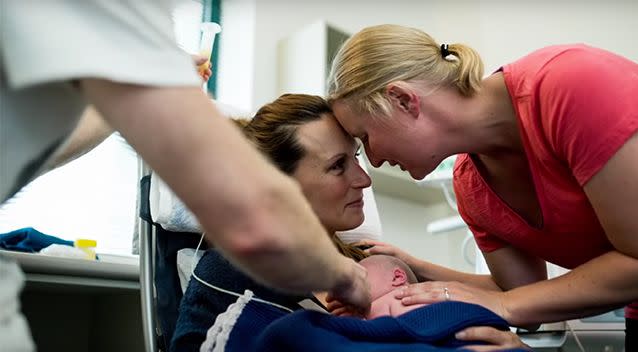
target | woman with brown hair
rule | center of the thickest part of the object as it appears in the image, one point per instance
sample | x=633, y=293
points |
x=299, y=134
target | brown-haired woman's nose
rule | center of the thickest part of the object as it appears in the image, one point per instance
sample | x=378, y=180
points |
x=362, y=179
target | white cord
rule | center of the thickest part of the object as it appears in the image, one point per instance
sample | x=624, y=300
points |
x=467, y=241
x=580, y=346
x=448, y=196
x=224, y=290
x=194, y=261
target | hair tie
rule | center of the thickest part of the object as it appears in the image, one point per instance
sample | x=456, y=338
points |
x=444, y=50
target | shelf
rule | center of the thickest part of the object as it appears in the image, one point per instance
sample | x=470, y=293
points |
x=61, y=283
x=49, y=265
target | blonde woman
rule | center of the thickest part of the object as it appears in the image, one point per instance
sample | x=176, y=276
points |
x=546, y=172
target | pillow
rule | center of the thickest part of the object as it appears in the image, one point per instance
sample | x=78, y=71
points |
x=168, y=210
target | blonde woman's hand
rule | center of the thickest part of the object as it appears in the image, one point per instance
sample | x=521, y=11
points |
x=438, y=291
x=496, y=340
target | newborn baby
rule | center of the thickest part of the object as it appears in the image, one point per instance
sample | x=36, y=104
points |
x=386, y=274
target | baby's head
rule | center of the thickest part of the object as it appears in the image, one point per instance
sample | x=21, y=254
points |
x=386, y=273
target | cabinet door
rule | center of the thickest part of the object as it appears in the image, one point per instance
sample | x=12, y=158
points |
x=305, y=58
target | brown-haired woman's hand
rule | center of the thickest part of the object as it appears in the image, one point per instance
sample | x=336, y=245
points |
x=339, y=309
x=378, y=247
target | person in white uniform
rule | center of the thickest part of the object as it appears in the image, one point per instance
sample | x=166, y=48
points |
x=121, y=57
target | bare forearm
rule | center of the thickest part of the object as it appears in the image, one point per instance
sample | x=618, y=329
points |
x=604, y=283
x=282, y=243
x=255, y=214
x=426, y=271
x=90, y=131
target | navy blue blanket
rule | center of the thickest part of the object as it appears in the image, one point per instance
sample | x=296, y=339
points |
x=264, y=328
x=200, y=305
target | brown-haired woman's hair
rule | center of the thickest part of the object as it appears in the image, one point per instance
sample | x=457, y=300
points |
x=349, y=250
x=379, y=55
x=273, y=130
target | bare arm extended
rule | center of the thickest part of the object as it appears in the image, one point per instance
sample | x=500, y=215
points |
x=90, y=131
x=601, y=284
x=606, y=282
x=426, y=271
x=257, y=216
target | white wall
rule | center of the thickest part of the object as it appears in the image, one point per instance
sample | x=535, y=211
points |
x=510, y=29
x=235, y=78
x=277, y=19
x=404, y=225
x=500, y=30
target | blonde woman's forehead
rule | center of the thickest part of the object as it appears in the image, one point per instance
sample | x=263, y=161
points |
x=347, y=118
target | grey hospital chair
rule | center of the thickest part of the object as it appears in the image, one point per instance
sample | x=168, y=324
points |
x=159, y=281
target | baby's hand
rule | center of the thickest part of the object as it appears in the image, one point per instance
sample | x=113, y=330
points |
x=496, y=339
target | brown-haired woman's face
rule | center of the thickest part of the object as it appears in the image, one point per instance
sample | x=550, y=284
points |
x=330, y=175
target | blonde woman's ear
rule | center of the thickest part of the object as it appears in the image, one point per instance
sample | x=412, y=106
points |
x=402, y=96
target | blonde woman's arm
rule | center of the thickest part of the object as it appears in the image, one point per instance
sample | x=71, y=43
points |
x=427, y=271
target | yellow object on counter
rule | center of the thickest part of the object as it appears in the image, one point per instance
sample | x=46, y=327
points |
x=88, y=246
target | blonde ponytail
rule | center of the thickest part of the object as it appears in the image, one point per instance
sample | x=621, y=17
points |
x=468, y=68
x=379, y=55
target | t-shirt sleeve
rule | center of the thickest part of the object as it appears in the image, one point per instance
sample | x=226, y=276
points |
x=121, y=41
x=588, y=102
x=485, y=241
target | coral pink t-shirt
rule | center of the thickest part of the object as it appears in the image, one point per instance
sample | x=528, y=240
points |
x=576, y=107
